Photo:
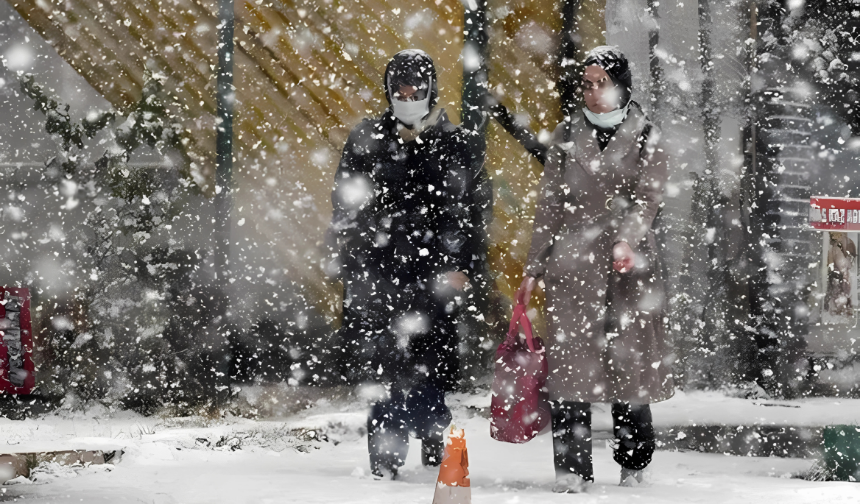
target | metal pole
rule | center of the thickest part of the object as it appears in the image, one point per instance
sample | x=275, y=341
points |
x=223, y=200
x=654, y=62
x=224, y=148
x=473, y=119
x=475, y=50
x=569, y=68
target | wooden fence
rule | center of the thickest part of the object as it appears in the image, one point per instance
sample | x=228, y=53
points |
x=305, y=73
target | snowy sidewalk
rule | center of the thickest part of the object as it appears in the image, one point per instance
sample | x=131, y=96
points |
x=319, y=456
x=711, y=422
x=710, y=408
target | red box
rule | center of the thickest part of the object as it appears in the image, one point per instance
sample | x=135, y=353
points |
x=22, y=304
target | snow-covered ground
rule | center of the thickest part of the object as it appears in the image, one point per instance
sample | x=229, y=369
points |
x=318, y=455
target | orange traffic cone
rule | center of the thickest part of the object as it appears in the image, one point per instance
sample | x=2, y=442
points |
x=452, y=486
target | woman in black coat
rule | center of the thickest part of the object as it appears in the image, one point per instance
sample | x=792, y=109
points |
x=409, y=201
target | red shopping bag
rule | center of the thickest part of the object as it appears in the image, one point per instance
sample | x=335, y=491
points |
x=520, y=403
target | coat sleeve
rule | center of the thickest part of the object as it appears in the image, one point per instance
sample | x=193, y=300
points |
x=648, y=194
x=353, y=195
x=457, y=224
x=482, y=201
x=549, y=212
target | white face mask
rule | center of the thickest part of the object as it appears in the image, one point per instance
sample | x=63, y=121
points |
x=609, y=119
x=410, y=113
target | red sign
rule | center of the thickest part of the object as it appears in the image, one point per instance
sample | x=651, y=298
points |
x=834, y=214
x=17, y=372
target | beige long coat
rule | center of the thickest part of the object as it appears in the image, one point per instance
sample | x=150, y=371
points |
x=606, y=338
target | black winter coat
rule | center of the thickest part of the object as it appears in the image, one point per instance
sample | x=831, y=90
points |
x=405, y=213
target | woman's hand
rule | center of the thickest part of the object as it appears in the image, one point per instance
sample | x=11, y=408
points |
x=457, y=279
x=524, y=293
x=622, y=257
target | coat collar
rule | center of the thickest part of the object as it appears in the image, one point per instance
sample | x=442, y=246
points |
x=587, y=148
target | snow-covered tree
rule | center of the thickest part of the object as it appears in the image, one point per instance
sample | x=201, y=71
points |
x=132, y=335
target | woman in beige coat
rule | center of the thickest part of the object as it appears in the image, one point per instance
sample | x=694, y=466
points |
x=595, y=251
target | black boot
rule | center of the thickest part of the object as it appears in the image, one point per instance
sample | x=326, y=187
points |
x=571, y=432
x=387, y=436
x=634, y=434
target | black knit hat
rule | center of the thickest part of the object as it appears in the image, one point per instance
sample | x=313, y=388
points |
x=614, y=63
x=412, y=67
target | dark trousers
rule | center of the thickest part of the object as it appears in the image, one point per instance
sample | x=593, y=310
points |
x=421, y=412
x=571, y=432
x=372, y=349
